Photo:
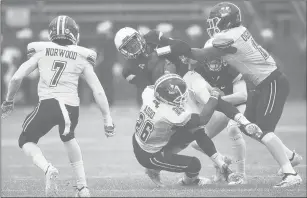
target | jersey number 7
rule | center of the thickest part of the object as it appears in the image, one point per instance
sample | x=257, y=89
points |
x=58, y=67
x=143, y=127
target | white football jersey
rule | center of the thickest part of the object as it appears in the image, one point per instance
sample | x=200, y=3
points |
x=60, y=68
x=156, y=120
x=251, y=60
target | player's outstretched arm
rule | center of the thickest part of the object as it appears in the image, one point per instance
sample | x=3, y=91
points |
x=24, y=70
x=100, y=98
x=220, y=47
x=239, y=95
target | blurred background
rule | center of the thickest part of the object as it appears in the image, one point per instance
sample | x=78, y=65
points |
x=279, y=26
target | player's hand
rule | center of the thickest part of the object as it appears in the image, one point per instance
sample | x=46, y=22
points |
x=7, y=107
x=109, y=130
x=252, y=130
x=215, y=92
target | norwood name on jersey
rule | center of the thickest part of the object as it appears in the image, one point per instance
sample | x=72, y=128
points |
x=62, y=53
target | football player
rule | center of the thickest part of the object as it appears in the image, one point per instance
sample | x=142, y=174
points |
x=168, y=106
x=219, y=74
x=60, y=63
x=234, y=43
x=147, y=60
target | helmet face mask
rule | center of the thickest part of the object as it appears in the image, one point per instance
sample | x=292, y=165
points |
x=132, y=46
x=213, y=26
x=171, y=89
x=215, y=65
x=129, y=42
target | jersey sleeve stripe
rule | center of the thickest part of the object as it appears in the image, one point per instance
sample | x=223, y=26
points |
x=30, y=52
x=91, y=60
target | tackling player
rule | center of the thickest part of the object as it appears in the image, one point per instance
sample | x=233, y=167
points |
x=148, y=58
x=60, y=63
x=234, y=43
x=169, y=106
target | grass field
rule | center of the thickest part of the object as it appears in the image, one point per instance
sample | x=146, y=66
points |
x=112, y=169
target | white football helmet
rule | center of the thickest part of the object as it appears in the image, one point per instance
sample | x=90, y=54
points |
x=129, y=42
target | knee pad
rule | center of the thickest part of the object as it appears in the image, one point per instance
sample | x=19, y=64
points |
x=68, y=137
x=194, y=166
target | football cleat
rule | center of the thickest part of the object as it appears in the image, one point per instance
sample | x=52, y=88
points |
x=222, y=175
x=295, y=160
x=236, y=179
x=51, y=188
x=83, y=192
x=199, y=181
x=289, y=180
x=154, y=175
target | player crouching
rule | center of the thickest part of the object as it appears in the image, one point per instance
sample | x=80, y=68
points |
x=171, y=109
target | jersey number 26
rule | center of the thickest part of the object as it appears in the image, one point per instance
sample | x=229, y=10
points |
x=58, y=67
x=143, y=127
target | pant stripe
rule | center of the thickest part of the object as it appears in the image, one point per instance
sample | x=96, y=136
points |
x=273, y=96
x=66, y=118
x=169, y=164
x=28, y=121
x=164, y=167
x=267, y=108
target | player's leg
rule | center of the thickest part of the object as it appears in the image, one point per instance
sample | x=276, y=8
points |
x=268, y=112
x=167, y=161
x=216, y=124
x=182, y=138
x=69, y=119
x=35, y=126
x=238, y=143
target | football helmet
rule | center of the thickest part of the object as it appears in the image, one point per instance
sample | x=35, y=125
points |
x=129, y=42
x=64, y=28
x=171, y=89
x=223, y=16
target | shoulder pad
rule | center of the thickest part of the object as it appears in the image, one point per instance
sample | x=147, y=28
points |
x=35, y=47
x=88, y=54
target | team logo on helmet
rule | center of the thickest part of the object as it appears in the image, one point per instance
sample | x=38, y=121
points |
x=224, y=11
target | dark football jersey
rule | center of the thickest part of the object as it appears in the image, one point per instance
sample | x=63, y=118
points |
x=222, y=79
x=145, y=70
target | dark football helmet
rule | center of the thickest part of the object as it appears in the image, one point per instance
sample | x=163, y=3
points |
x=64, y=28
x=216, y=65
x=171, y=89
x=223, y=16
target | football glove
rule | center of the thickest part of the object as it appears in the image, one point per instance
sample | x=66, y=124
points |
x=7, y=108
x=109, y=130
x=215, y=92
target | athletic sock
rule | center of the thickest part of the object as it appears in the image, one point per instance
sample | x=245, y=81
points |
x=76, y=162
x=275, y=146
x=33, y=151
